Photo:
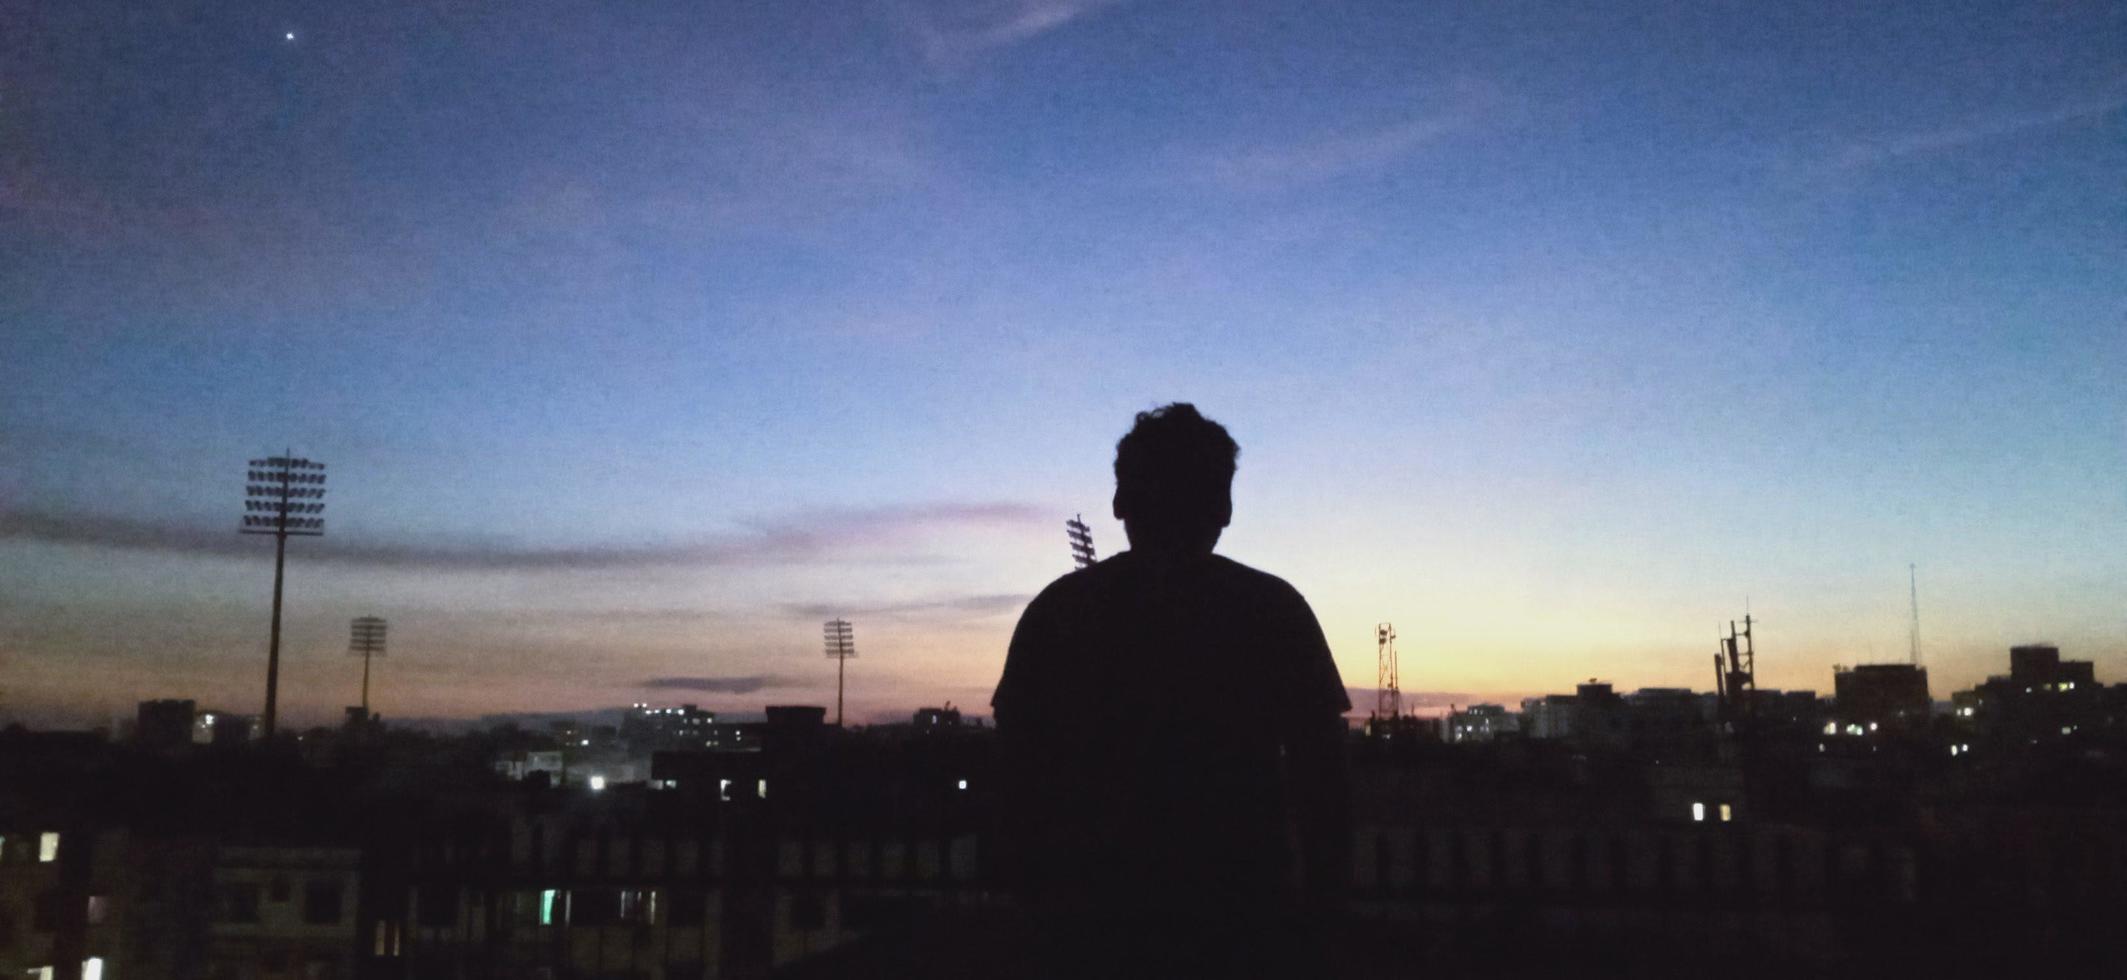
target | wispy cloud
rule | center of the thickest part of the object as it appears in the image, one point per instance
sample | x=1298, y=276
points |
x=1354, y=150
x=1981, y=129
x=974, y=605
x=800, y=537
x=946, y=31
x=715, y=685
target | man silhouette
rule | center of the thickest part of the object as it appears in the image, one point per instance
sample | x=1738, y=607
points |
x=1172, y=725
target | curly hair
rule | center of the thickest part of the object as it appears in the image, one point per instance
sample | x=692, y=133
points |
x=1175, y=466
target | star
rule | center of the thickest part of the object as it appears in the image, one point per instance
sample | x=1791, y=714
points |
x=290, y=35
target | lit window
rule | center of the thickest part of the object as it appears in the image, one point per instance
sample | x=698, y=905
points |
x=723, y=789
x=387, y=940
x=1698, y=813
x=99, y=909
x=1831, y=728
x=963, y=784
x=598, y=783
x=41, y=972
x=47, y=846
x=546, y=907
x=1726, y=813
x=92, y=968
x=761, y=788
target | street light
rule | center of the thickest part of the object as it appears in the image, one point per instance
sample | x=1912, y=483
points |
x=282, y=496
x=841, y=645
x=365, y=636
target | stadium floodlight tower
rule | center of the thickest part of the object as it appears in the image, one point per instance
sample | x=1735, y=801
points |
x=283, y=496
x=1081, y=541
x=841, y=645
x=365, y=637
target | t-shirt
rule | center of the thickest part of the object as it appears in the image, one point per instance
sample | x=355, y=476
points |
x=1146, y=702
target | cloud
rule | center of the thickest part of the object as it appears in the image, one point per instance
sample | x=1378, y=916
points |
x=1355, y=150
x=1979, y=130
x=977, y=605
x=946, y=31
x=800, y=537
x=715, y=685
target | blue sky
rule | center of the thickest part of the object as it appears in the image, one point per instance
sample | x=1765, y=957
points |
x=638, y=336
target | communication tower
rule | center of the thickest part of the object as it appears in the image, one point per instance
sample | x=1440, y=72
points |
x=1388, y=703
x=1740, y=675
x=1913, y=632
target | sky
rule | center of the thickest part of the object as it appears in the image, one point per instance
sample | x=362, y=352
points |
x=640, y=337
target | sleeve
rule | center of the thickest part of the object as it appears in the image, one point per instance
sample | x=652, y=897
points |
x=1314, y=690
x=1023, y=660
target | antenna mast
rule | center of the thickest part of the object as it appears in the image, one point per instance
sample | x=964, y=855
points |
x=1742, y=687
x=1913, y=582
x=1388, y=704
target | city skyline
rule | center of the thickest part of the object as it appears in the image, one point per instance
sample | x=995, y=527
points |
x=640, y=341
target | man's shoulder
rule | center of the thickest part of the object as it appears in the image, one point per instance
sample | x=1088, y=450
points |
x=1251, y=578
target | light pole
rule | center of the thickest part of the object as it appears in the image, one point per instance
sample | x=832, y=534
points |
x=282, y=496
x=365, y=636
x=841, y=645
x=1081, y=541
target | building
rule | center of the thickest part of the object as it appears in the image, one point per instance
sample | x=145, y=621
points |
x=57, y=909
x=947, y=717
x=1482, y=723
x=164, y=724
x=285, y=912
x=2043, y=699
x=648, y=729
x=1874, y=697
x=1592, y=717
x=2039, y=666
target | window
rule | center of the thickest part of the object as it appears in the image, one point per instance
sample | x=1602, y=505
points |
x=439, y=905
x=595, y=906
x=687, y=908
x=807, y=911
x=638, y=906
x=1727, y=814
x=49, y=914
x=547, y=901
x=92, y=968
x=238, y=902
x=387, y=939
x=1698, y=813
x=321, y=902
x=47, y=848
x=99, y=909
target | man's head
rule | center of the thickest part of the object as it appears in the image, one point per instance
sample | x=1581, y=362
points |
x=1174, y=479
